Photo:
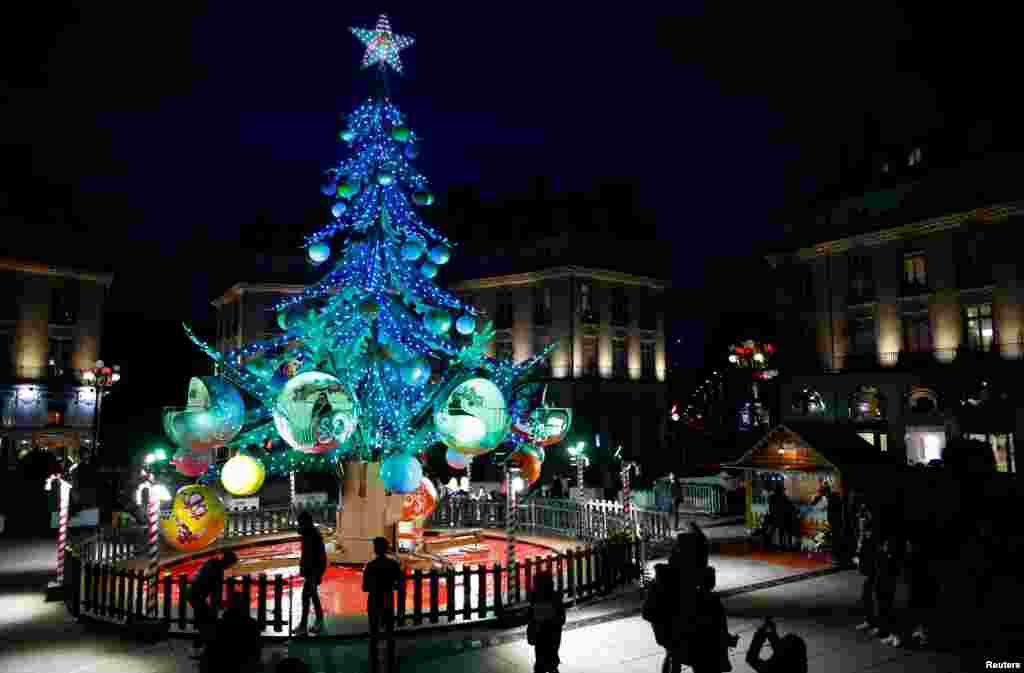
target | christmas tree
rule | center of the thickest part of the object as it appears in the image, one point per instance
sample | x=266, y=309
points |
x=375, y=362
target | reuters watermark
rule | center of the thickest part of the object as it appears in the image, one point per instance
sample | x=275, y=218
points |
x=1003, y=665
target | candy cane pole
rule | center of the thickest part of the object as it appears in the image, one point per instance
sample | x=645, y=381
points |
x=152, y=576
x=62, y=531
x=511, y=518
x=291, y=483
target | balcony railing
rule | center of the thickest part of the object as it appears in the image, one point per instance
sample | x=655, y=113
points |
x=904, y=360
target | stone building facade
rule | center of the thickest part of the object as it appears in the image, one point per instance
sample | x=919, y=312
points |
x=51, y=324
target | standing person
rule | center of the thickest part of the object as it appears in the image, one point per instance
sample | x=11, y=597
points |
x=677, y=496
x=789, y=653
x=204, y=596
x=923, y=586
x=556, y=488
x=709, y=649
x=835, y=523
x=566, y=493
x=890, y=560
x=312, y=566
x=867, y=548
x=380, y=581
x=546, y=619
x=778, y=517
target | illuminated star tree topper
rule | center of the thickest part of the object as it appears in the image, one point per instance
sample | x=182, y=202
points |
x=382, y=46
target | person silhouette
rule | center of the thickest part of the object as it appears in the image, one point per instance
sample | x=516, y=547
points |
x=546, y=619
x=380, y=580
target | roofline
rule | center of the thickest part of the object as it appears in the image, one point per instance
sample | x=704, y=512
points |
x=42, y=269
x=558, y=273
x=239, y=289
x=985, y=215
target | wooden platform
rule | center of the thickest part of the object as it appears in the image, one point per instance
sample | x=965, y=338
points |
x=437, y=543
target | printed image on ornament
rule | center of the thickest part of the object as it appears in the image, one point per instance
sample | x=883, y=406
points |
x=197, y=519
x=315, y=413
x=421, y=502
x=474, y=418
x=213, y=416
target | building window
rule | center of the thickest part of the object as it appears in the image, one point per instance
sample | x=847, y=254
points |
x=915, y=157
x=64, y=304
x=503, y=349
x=879, y=440
x=619, y=357
x=506, y=311
x=915, y=271
x=862, y=284
x=975, y=264
x=648, y=318
x=589, y=355
x=917, y=333
x=864, y=342
x=10, y=290
x=59, y=360
x=1002, y=449
x=620, y=308
x=867, y=404
x=979, y=326
x=587, y=313
x=542, y=306
x=647, y=359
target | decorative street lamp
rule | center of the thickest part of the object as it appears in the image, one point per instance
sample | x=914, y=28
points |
x=578, y=457
x=102, y=378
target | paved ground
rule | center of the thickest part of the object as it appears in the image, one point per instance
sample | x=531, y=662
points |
x=38, y=637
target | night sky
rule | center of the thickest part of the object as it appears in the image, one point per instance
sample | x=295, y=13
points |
x=146, y=139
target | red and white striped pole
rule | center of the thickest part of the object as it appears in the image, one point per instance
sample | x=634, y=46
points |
x=62, y=531
x=291, y=484
x=154, y=547
x=511, y=522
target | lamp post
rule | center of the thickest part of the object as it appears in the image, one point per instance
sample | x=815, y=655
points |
x=102, y=378
x=55, y=589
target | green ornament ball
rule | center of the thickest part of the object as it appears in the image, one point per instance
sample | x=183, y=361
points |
x=438, y=321
x=282, y=319
x=348, y=135
x=423, y=198
x=348, y=189
x=400, y=133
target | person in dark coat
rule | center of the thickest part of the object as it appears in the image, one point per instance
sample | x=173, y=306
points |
x=835, y=523
x=312, y=566
x=677, y=497
x=546, y=619
x=889, y=568
x=556, y=488
x=778, y=519
x=380, y=580
x=709, y=649
x=238, y=646
x=867, y=553
x=204, y=594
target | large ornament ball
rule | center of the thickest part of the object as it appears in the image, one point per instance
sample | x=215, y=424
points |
x=348, y=135
x=438, y=321
x=440, y=254
x=412, y=151
x=421, y=502
x=369, y=310
x=465, y=325
x=191, y=463
x=384, y=178
x=339, y=208
x=212, y=417
x=329, y=189
x=429, y=270
x=529, y=465
x=416, y=372
x=196, y=520
x=282, y=319
x=456, y=460
x=314, y=413
x=401, y=473
x=319, y=252
x=473, y=419
x=411, y=250
x=423, y=198
x=242, y=475
x=348, y=189
x=400, y=133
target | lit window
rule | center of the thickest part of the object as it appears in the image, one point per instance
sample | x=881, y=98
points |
x=979, y=326
x=914, y=269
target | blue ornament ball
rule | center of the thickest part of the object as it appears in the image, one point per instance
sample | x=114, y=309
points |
x=465, y=325
x=429, y=270
x=319, y=252
x=401, y=473
x=440, y=254
x=456, y=460
x=411, y=250
x=339, y=208
x=416, y=372
x=412, y=151
x=329, y=189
